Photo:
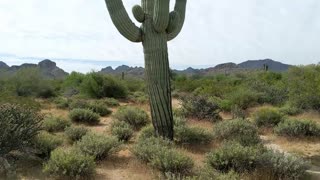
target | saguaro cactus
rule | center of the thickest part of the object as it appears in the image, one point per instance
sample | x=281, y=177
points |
x=159, y=26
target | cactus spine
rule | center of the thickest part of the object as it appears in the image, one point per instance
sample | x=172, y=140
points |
x=159, y=26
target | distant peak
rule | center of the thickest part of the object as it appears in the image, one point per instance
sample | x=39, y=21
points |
x=47, y=63
x=3, y=65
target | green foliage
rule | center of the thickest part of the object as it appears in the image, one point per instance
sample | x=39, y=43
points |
x=190, y=135
x=45, y=143
x=122, y=130
x=99, y=108
x=243, y=98
x=241, y=131
x=200, y=107
x=276, y=165
x=75, y=133
x=234, y=156
x=294, y=128
x=112, y=102
x=29, y=82
x=139, y=97
x=70, y=163
x=304, y=87
x=62, y=103
x=71, y=84
x=19, y=125
x=267, y=117
x=136, y=117
x=147, y=132
x=161, y=154
x=99, y=86
x=134, y=84
x=290, y=110
x=55, y=124
x=29, y=102
x=79, y=104
x=98, y=146
x=84, y=116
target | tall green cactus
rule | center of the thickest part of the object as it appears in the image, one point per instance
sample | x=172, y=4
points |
x=159, y=26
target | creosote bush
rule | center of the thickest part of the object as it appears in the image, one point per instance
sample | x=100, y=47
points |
x=162, y=155
x=75, y=133
x=98, y=146
x=189, y=135
x=70, y=163
x=55, y=124
x=290, y=110
x=112, y=102
x=234, y=156
x=19, y=125
x=298, y=128
x=267, y=117
x=122, y=130
x=46, y=142
x=200, y=107
x=84, y=116
x=242, y=131
x=136, y=117
x=62, y=103
x=276, y=165
x=100, y=109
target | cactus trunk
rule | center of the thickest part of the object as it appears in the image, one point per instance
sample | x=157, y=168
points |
x=158, y=27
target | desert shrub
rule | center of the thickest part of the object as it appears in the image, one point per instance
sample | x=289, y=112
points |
x=204, y=173
x=241, y=131
x=75, y=133
x=294, y=128
x=62, y=103
x=134, y=84
x=278, y=165
x=70, y=163
x=122, y=130
x=191, y=135
x=200, y=107
x=139, y=97
x=27, y=102
x=147, y=132
x=84, y=116
x=111, y=102
x=234, y=156
x=179, y=112
x=98, y=146
x=267, y=117
x=161, y=154
x=97, y=85
x=290, y=110
x=71, y=84
x=45, y=143
x=100, y=109
x=243, y=98
x=173, y=161
x=79, y=104
x=55, y=124
x=136, y=117
x=19, y=125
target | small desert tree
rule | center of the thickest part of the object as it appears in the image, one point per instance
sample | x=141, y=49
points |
x=159, y=26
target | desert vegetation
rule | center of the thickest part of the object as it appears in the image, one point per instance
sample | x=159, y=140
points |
x=250, y=125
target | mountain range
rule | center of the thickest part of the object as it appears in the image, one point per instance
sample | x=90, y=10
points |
x=50, y=70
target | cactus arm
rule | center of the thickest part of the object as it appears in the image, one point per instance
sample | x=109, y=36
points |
x=180, y=8
x=138, y=13
x=122, y=21
x=161, y=15
x=173, y=22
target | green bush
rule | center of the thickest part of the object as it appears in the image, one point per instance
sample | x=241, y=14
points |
x=191, y=135
x=45, y=143
x=97, y=85
x=75, y=133
x=161, y=154
x=267, y=117
x=294, y=128
x=243, y=98
x=100, y=109
x=19, y=125
x=79, y=104
x=147, y=132
x=70, y=163
x=277, y=165
x=98, y=146
x=27, y=102
x=200, y=107
x=234, y=156
x=122, y=130
x=55, y=124
x=84, y=116
x=112, y=102
x=136, y=117
x=62, y=103
x=139, y=97
x=290, y=110
x=242, y=131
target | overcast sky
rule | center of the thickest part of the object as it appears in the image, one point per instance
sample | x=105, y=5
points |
x=79, y=34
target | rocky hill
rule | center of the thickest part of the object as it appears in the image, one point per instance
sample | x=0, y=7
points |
x=225, y=68
x=47, y=68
